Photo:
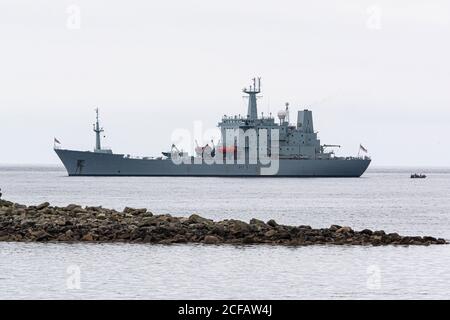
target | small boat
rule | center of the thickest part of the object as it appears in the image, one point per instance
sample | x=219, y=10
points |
x=418, y=176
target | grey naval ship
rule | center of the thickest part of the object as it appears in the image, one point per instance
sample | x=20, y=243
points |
x=288, y=150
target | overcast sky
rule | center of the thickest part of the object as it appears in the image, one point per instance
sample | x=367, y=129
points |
x=373, y=72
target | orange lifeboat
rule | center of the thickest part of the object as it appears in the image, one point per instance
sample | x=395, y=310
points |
x=227, y=149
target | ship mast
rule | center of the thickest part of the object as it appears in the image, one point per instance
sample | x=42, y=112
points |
x=252, y=111
x=97, y=131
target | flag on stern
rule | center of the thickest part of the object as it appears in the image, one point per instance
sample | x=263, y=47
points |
x=361, y=147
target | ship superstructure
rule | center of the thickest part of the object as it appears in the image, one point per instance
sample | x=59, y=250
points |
x=295, y=141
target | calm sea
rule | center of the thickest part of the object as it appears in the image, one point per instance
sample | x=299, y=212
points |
x=384, y=198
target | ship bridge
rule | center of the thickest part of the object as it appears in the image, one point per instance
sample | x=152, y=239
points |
x=298, y=141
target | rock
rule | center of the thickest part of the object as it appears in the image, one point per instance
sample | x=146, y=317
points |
x=405, y=240
x=218, y=230
x=166, y=241
x=133, y=211
x=394, y=236
x=272, y=223
x=270, y=233
x=179, y=239
x=71, y=207
x=60, y=222
x=21, y=212
x=195, y=218
x=101, y=216
x=130, y=210
x=63, y=238
x=149, y=221
x=335, y=227
x=139, y=211
x=284, y=235
x=87, y=237
x=211, y=240
x=344, y=230
x=98, y=208
x=249, y=240
x=69, y=233
x=42, y=206
x=79, y=210
x=4, y=203
x=366, y=231
x=257, y=225
x=238, y=227
x=31, y=212
x=376, y=242
x=39, y=235
x=257, y=222
x=184, y=220
x=165, y=218
x=74, y=223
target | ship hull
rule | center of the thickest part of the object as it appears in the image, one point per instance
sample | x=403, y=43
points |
x=85, y=163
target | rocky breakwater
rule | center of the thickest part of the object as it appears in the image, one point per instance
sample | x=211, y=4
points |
x=73, y=223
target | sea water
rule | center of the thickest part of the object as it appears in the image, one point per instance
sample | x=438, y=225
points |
x=382, y=199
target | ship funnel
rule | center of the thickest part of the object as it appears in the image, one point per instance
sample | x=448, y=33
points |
x=305, y=121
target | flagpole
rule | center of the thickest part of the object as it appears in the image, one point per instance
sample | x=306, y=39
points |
x=55, y=143
x=359, y=150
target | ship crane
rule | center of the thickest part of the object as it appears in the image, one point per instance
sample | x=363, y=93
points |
x=331, y=146
x=324, y=146
x=213, y=151
x=174, y=147
x=173, y=151
x=200, y=151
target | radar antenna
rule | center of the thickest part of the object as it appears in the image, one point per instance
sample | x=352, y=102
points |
x=97, y=131
x=287, y=112
x=252, y=91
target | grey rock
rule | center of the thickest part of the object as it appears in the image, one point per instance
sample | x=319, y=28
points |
x=272, y=223
x=211, y=240
x=74, y=223
x=71, y=207
x=42, y=206
x=344, y=230
x=366, y=231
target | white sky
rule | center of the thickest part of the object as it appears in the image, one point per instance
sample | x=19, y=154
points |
x=373, y=72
